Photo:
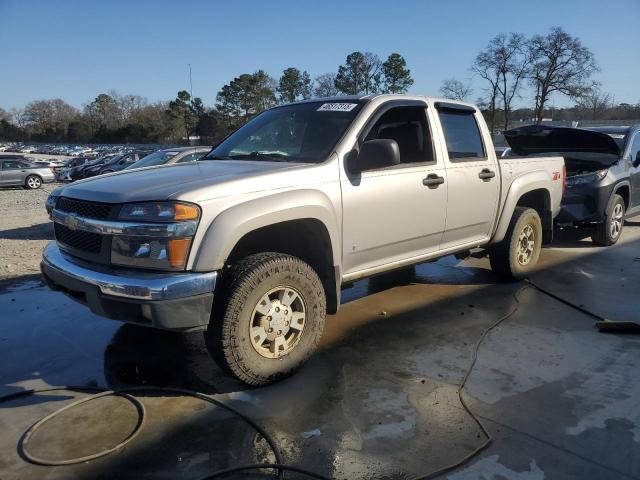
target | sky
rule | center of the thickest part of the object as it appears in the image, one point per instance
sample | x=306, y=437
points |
x=75, y=50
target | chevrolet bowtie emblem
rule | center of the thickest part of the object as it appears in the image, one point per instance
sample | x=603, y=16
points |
x=71, y=222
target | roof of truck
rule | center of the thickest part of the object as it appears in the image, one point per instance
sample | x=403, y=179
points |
x=383, y=96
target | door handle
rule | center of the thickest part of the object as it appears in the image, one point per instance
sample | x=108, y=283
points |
x=432, y=180
x=486, y=174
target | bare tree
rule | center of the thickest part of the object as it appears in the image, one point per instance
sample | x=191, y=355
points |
x=513, y=61
x=487, y=67
x=455, y=89
x=19, y=118
x=559, y=64
x=594, y=103
x=325, y=85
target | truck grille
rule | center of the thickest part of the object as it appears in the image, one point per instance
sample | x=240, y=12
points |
x=84, y=208
x=84, y=241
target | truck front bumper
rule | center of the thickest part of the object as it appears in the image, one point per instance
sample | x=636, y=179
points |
x=172, y=301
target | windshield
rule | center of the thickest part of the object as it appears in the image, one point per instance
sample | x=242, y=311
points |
x=304, y=132
x=158, y=158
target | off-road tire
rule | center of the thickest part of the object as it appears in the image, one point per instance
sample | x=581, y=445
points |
x=227, y=337
x=32, y=182
x=503, y=256
x=601, y=234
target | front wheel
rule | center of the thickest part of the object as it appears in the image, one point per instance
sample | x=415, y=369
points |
x=609, y=231
x=517, y=254
x=33, y=182
x=268, y=318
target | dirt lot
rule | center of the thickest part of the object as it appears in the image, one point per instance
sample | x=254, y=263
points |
x=24, y=231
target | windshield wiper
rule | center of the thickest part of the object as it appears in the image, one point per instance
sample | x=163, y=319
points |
x=258, y=155
x=214, y=157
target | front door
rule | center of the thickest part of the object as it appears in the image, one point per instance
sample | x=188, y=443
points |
x=390, y=214
x=13, y=172
x=473, y=177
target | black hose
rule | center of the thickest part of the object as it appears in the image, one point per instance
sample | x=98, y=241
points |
x=463, y=402
x=279, y=465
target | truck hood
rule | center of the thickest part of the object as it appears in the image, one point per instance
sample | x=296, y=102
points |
x=166, y=181
x=534, y=139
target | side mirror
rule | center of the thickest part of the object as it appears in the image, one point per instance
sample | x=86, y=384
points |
x=377, y=153
x=636, y=161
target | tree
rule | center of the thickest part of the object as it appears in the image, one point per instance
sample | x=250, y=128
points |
x=185, y=111
x=49, y=119
x=594, y=103
x=559, y=64
x=294, y=85
x=487, y=66
x=245, y=96
x=325, y=85
x=512, y=60
x=455, y=89
x=397, y=77
x=4, y=115
x=361, y=74
x=104, y=113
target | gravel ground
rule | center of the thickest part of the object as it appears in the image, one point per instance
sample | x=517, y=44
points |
x=24, y=231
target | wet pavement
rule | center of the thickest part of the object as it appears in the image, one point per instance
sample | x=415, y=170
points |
x=378, y=401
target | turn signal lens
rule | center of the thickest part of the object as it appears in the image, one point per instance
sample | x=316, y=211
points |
x=178, y=250
x=184, y=211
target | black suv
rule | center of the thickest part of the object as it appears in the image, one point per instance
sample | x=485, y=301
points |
x=603, y=173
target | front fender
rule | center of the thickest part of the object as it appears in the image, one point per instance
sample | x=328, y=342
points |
x=232, y=224
x=523, y=184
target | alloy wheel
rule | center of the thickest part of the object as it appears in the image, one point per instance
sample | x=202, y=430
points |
x=526, y=244
x=277, y=322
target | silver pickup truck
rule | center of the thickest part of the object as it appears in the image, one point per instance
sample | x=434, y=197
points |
x=252, y=243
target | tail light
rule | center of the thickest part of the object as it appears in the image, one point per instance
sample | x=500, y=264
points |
x=53, y=170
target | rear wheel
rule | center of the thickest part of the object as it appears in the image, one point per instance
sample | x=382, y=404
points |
x=609, y=231
x=517, y=254
x=268, y=318
x=33, y=182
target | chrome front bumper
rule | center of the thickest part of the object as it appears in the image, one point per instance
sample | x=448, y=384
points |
x=176, y=301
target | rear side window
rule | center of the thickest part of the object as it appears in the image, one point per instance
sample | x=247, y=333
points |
x=462, y=135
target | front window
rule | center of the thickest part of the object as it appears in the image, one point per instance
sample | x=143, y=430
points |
x=305, y=132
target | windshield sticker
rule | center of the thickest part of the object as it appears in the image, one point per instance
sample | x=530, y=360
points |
x=337, y=107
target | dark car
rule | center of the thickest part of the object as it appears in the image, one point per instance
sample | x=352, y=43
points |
x=171, y=155
x=112, y=164
x=603, y=173
x=78, y=172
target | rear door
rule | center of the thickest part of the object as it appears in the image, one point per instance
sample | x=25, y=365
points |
x=390, y=214
x=472, y=175
x=634, y=174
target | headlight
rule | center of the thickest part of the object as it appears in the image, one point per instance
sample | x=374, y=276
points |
x=160, y=212
x=586, y=178
x=163, y=252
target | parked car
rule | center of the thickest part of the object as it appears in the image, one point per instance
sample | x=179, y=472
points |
x=302, y=199
x=171, y=156
x=79, y=172
x=603, y=174
x=64, y=173
x=113, y=164
x=15, y=171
